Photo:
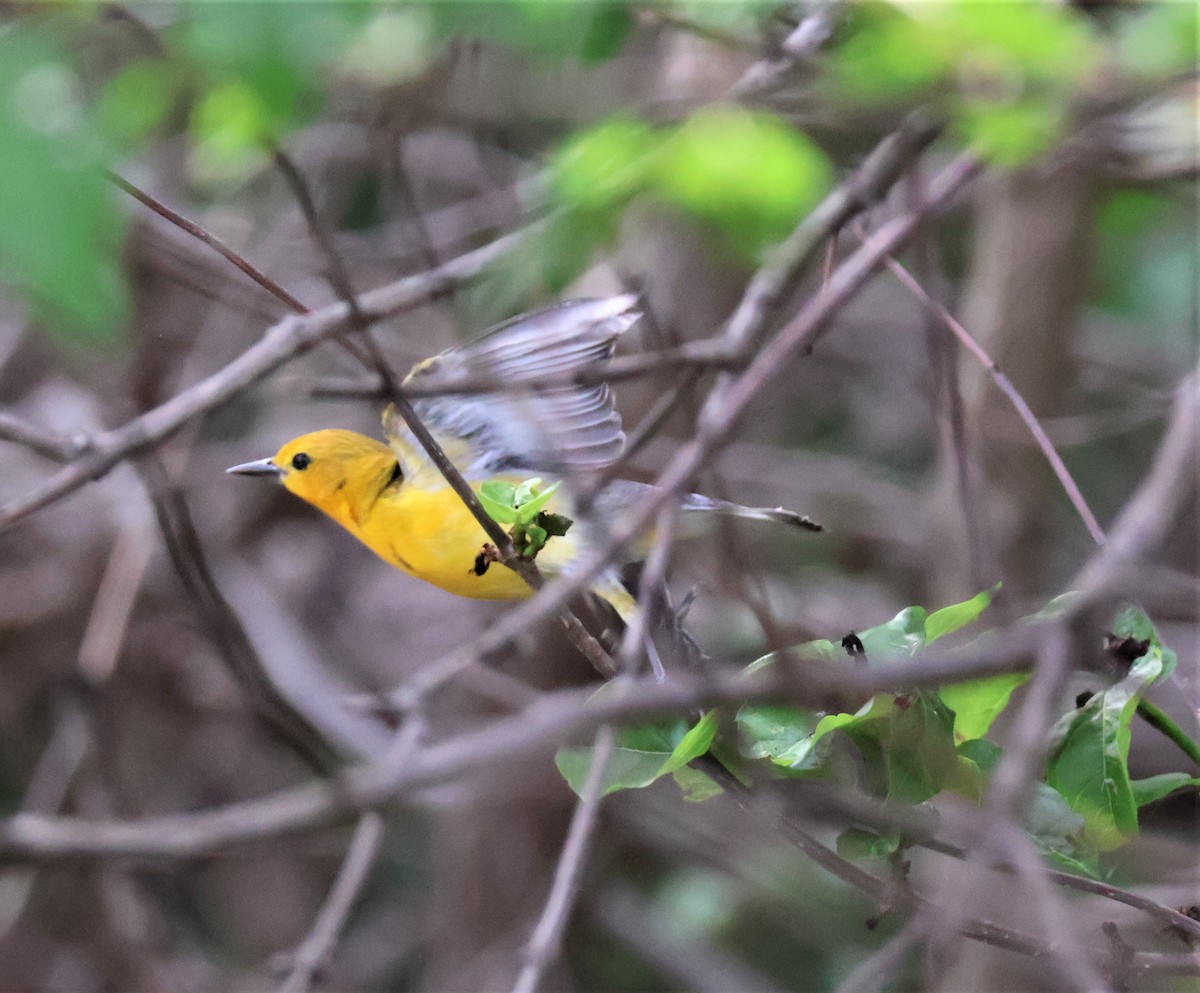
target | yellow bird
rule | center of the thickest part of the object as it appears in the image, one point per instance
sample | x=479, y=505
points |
x=393, y=498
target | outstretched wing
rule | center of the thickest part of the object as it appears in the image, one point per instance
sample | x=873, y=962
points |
x=550, y=430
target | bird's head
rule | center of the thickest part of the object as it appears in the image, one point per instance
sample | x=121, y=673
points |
x=339, y=472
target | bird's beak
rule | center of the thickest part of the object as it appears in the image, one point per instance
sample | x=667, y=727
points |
x=263, y=467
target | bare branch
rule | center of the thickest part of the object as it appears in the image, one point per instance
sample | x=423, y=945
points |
x=1009, y=390
x=543, y=947
x=212, y=241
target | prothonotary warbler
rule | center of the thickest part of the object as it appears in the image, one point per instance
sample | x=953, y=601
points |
x=394, y=499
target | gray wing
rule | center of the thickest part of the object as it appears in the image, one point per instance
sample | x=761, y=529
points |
x=551, y=430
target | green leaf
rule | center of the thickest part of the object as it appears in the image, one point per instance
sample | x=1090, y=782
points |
x=230, y=124
x=659, y=736
x=768, y=732
x=1011, y=134
x=1059, y=832
x=1132, y=622
x=60, y=233
x=748, y=173
x=1089, y=759
x=627, y=769
x=647, y=753
x=862, y=845
x=601, y=169
x=985, y=754
x=589, y=30
x=526, y=490
x=1159, y=40
x=808, y=753
x=137, y=100
x=920, y=757
x=605, y=34
x=958, y=615
x=496, y=497
x=1156, y=787
x=813, y=651
x=901, y=637
x=693, y=744
x=499, y=492
x=978, y=702
x=695, y=785
x=890, y=56
x=396, y=46
x=534, y=540
x=555, y=525
x=529, y=501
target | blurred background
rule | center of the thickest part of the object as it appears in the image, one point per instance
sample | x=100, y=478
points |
x=663, y=147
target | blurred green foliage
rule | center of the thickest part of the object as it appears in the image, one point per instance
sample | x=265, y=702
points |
x=1005, y=74
x=749, y=176
x=233, y=78
x=60, y=235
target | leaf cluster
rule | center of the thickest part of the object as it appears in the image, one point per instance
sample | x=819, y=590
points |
x=523, y=507
x=909, y=747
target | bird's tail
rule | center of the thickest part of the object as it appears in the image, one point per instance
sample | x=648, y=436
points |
x=695, y=501
x=610, y=589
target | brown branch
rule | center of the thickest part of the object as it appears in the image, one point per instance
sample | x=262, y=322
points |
x=312, y=954
x=44, y=443
x=212, y=241
x=543, y=947
x=1010, y=391
x=552, y=718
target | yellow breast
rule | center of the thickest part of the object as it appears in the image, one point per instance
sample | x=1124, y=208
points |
x=430, y=534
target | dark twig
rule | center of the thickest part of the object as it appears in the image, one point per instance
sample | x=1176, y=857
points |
x=212, y=241
x=50, y=446
x=314, y=951
x=543, y=947
x=1010, y=391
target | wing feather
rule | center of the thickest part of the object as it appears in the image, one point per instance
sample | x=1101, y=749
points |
x=552, y=430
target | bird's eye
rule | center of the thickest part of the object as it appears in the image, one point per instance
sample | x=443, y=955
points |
x=300, y=461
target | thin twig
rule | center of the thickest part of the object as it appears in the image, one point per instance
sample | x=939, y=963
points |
x=543, y=947
x=45, y=444
x=212, y=241
x=1010, y=391
x=314, y=951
